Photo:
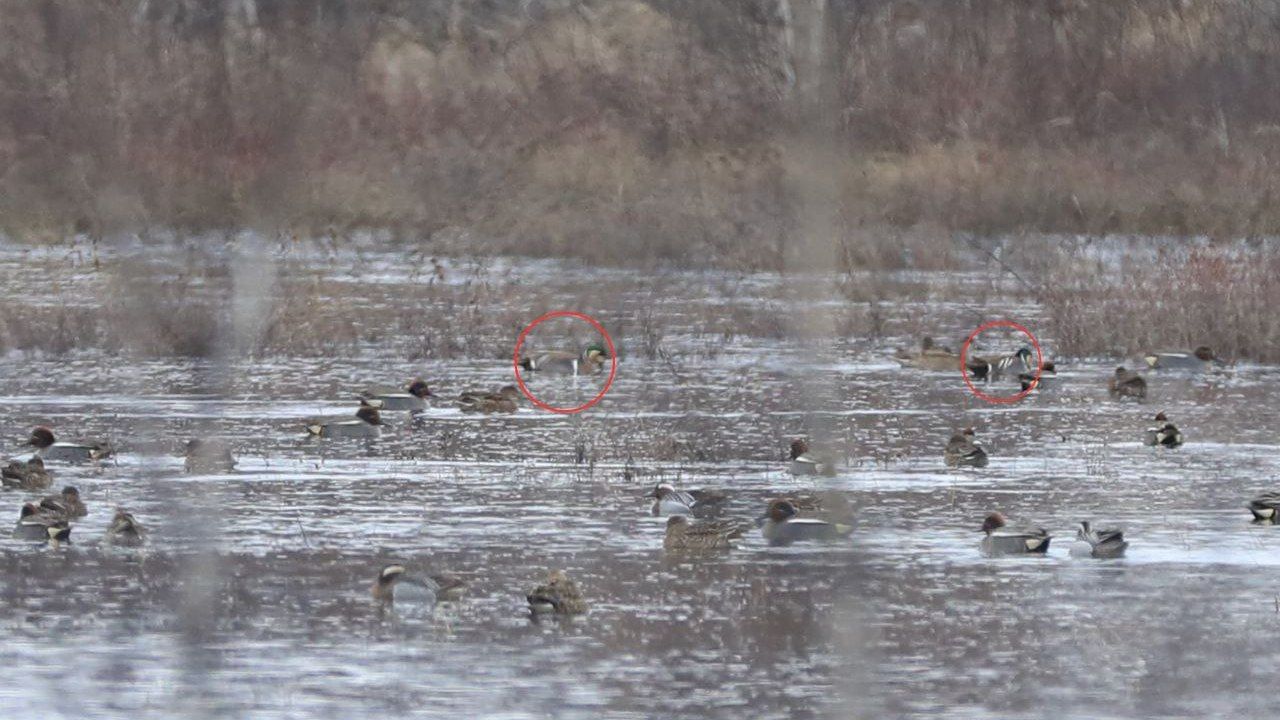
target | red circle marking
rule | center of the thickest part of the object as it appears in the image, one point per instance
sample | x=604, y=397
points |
x=613, y=361
x=1000, y=399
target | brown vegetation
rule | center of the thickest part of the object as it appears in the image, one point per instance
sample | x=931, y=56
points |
x=618, y=129
x=1174, y=298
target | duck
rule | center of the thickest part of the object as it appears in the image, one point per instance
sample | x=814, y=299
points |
x=125, y=531
x=1028, y=380
x=1126, y=383
x=412, y=397
x=992, y=368
x=394, y=584
x=783, y=525
x=1108, y=543
x=558, y=595
x=502, y=401
x=828, y=506
x=366, y=424
x=1201, y=359
x=683, y=534
x=66, y=504
x=667, y=500
x=26, y=475
x=1001, y=539
x=1164, y=434
x=930, y=357
x=562, y=362
x=208, y=456
x=41, y=525
x=805, y=462
x=1266, y=507
x=964, y=450
x=48, y=447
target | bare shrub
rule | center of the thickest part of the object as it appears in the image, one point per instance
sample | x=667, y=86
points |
x=1176, y=297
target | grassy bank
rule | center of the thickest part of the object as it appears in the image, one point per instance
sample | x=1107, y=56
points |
x=620, y=130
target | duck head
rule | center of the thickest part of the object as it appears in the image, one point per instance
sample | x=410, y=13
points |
x=677, y=523
x=510, y=392
x=1204, y=353
x=926, y=343
x=28, y=509
x=390, y=574
x=969, y=433
x=71, y=494
x=595, y=352
x=123, y=522
x=41, y=438
x=1025, y=355
x=1083, y=530
x=799, y=447
x=781, y=511
x=418, y=388
x=1161, y=417
x=993, y=522
x=1121, y=371
x=526, y=363
x=369, y=414
x=662, y=490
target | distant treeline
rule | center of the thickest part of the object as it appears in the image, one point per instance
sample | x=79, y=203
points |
x=615, y=129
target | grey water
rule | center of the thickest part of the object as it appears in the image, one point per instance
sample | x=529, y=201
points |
x=251, y=597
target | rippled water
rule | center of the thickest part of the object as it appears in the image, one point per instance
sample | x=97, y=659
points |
x=251, y=598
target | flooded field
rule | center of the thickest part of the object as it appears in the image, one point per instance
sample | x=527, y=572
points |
x=251, y=597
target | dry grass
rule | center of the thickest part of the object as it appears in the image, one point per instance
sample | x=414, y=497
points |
x=1221, y=296
x=626, y=131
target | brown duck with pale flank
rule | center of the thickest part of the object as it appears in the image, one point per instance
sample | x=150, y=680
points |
x=964, y=450
x=685, y=534
x=558, y=595
x=1126, y=383
x=26, y=475
x=67, y=503
x=125, y=531
x=503, y=401
x=931, y=357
